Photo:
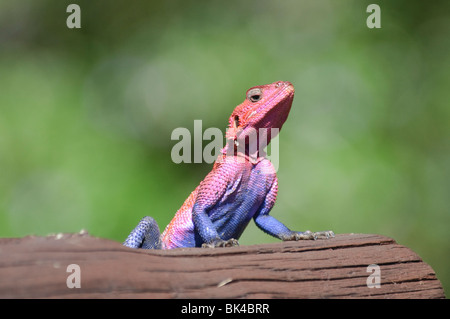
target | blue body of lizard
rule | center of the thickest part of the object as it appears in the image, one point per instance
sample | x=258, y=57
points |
x=242, y=185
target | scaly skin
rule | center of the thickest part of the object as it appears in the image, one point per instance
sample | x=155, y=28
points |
x=242, y=184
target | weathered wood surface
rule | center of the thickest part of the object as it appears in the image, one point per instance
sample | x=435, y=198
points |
x=36, y=267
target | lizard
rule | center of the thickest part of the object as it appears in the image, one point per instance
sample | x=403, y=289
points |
x=242, y=184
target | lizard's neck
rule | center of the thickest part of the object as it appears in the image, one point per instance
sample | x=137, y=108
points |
x=232, y=149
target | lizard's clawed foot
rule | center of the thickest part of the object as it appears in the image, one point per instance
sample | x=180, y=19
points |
x=324, y=234
x=308, y=235
x=221, y=243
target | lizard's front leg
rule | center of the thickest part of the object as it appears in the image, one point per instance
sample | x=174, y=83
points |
x=217, y=187
x=270, y=224
x=207, y=231
x=274, y=227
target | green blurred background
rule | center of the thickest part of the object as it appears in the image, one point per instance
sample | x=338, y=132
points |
x=86, y=114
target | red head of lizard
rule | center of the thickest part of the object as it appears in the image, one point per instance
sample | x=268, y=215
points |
x=265, y=107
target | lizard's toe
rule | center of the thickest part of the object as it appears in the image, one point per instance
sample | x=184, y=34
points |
x=221, y=243
x=324, y=234
x=308, y=235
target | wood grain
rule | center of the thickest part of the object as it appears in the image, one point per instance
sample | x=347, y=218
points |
x=36, y=267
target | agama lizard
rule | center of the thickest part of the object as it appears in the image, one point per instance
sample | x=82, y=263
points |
x=242, y=184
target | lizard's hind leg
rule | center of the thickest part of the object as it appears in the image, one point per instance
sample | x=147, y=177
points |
x=145, y=235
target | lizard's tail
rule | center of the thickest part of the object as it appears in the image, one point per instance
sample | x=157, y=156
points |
x=145, y=235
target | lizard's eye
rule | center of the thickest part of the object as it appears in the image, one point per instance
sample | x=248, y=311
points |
x=254, y=95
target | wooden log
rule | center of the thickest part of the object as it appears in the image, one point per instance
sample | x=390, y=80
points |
x=37, y=267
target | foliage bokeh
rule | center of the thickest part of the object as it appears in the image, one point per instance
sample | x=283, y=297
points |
x=86, y=114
